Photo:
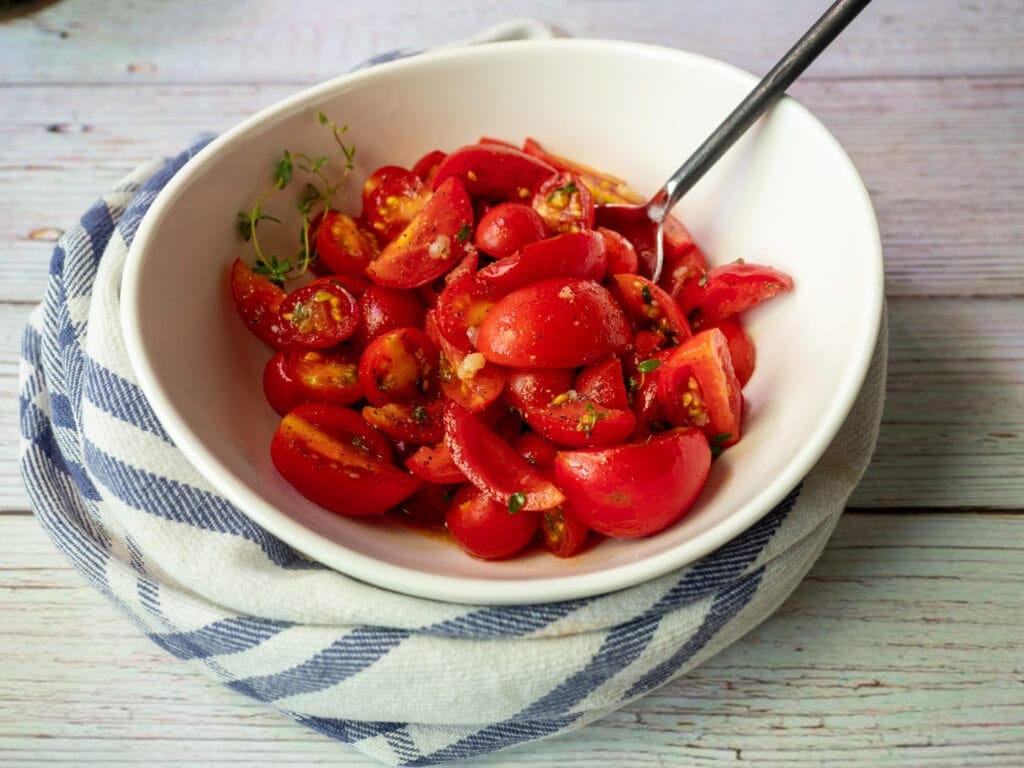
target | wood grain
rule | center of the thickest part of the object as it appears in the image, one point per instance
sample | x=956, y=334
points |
x=901, y=648
x=945, y=173
x=216, y=41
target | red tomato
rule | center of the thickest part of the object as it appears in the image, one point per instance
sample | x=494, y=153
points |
x=578, y=423
x=622, y=258
x=741, y=349
x=461, y=308
x=565, y=204
x=469, y=379
x=328, y=461
x=399, y=366
x=535, y=388
x=429, y=504
x=575, y=254
x=392, y=197
x=493, y=466
x=641, y=232
x=385, y=309
x=413, y=424
x=729, y=289
x=635, y=489
x=434, y=464
x=485, y=529
x=649, y=305
x=320, y=314
x=564, y=534
x=643, y=378
x=556, y=323
x=684, y=261
x=698, y=388
x=426, y=167
x=605, y=188
x=325, y=376
x=468, y=266
x=494, y=172
x=507, y=227
x=342, y=246
x=431, y=244
x=279, y=386
x=258, y=302
x=539, y=451
x=603, y=383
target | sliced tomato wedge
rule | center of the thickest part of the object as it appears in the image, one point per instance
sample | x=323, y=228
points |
x=564, y=534
x=399, y=366
x=392, y=196
x=469, y=379
x=603, y=383
x=605, y=188
x=698, y=388
x=342, y=246
x=494, y=172
x=578, y=423
x=484, y=528
x=332, y=462
x=555, y=323
x=325, y=375
x=495, y=467
x=729, y=289
x=434, y=464
x=507, y=227
x=258, y=302
x=564, y=203
x=741, y=349
x=636, y=489
x=431, y=244
x=576, y=254
x=321, y=314
x=650, y=306
x=462, y=307
x=413, y=424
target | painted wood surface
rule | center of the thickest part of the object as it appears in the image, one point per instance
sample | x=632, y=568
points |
x=904, y=645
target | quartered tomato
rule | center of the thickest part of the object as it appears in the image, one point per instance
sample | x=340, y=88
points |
x=484, y=528
x=576, y=254
x=729, y=289
x=651, y=307
x=325, y=375
x=258, y=302
x=555, y=323
x=698, y=388
x=565, y=204
x=433, y=242
x=494, y=172
x=493, y=466
x=392, y=197
x=564, y=534
x=635, y=489
x=331, y=457
x=320, y=314
x=604, y=383
x=399, y=366
x=343, y=247
x=469, y=379
x=507, y=227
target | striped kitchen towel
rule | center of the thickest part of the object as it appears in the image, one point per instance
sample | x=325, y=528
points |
x=363, y=665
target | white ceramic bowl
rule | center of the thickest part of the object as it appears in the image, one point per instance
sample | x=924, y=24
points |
x=786, y=195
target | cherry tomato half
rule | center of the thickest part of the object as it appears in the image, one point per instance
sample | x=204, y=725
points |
x=484, y=527
x=392, y=196
x=507, y=227
x=399, y=366
x=494, y=172
x=325, y=375
x=258, y=302
x=565, y=204
x=343, y=247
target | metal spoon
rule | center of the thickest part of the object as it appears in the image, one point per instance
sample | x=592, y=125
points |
x=647, y=221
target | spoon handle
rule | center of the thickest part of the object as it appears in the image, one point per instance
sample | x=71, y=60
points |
x=767, y=92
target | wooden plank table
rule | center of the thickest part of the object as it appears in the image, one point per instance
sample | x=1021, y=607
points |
x=904, y=645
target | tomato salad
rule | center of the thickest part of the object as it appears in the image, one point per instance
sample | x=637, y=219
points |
x=475, y=351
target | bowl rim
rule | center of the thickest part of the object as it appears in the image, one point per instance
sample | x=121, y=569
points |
x=471, y=590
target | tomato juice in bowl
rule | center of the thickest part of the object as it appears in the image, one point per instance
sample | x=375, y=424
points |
x=786, y=195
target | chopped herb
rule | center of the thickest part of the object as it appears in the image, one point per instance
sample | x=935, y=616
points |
x=283, y=171
x=357, y=441
x=463, y=234
x=632, y=384
x=588, y=419
x=648, y=366
x=516, y=502
x=716, y=443
x=419, y=413
x=645, y=292
x=274, y=270
x=568, y=189
x=703, y=280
